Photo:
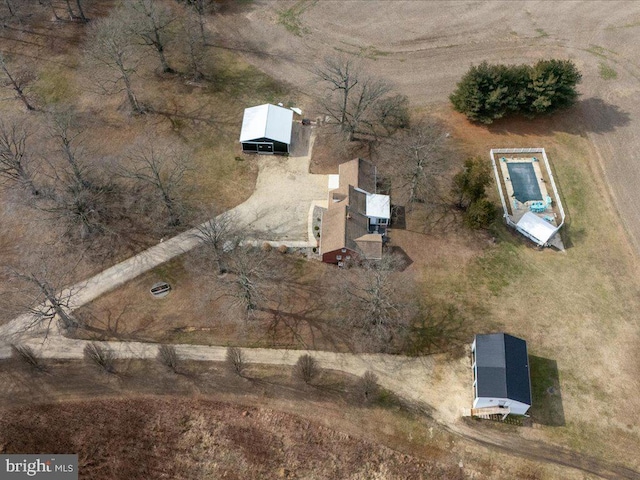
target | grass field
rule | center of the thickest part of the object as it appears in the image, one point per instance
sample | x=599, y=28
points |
x=576, y=309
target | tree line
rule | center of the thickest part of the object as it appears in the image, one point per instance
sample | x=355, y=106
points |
x=490, y=91
x=118, y=43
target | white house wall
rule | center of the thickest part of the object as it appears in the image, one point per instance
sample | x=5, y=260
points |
x=516, y=408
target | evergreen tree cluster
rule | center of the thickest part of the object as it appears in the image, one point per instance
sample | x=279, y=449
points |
x=488, y=92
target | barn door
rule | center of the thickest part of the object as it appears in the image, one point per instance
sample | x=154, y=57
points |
x=265, y=148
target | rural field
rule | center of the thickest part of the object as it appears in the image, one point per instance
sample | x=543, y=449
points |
x=577, y=309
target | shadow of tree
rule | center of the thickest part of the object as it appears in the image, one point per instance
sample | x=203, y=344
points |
x=439, y=328
x=399, y=217
x=546, y=395
x=592, y=115
x=300, y=140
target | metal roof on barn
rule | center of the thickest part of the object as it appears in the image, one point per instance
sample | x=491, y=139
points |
x=267, y=121
x=503, y=367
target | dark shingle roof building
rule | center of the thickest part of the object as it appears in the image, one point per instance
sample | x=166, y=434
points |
x=501, y=372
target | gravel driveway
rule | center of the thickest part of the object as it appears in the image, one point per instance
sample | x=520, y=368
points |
x=278, y=210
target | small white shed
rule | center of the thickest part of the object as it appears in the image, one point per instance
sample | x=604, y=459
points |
x=501, y=373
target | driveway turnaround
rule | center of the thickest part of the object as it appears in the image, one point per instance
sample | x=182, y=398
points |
x=277, y=212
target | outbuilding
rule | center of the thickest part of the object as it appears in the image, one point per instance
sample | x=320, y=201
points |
x=266, y=129
x=501, y=374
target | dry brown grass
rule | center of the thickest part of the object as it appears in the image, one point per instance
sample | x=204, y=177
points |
x=205, y=119
x=127, y=431
x=201, y=308
x=576, y=308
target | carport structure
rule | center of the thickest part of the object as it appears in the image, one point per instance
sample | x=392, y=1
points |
x=266, y=129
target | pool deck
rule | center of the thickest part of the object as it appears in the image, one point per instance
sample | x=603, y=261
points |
x=516, y=208
x=548, y=208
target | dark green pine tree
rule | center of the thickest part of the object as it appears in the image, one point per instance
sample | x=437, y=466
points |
x=552, y=86
x=488, y=92
x=483, y=93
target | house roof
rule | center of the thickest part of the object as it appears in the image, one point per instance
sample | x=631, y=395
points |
x=370, y=245
x=536, y=227
x=267, y=121
x=358, y=173
x=378, y=206
x=345, y=223
x=333, y=229
x=502, y=366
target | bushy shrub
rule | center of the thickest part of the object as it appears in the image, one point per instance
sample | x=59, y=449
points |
x=235, y=361
x=168, y=357
x=100, y=356
x=306, y=368
x=26, y=354
x=469, y=192
x=367, y=388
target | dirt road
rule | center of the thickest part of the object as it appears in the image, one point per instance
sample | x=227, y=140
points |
x=435, y=386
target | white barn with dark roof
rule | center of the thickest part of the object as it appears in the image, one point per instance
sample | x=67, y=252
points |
x=501, y=373
x=266, y=129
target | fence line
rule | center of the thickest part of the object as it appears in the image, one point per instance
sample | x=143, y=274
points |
x=493, y=152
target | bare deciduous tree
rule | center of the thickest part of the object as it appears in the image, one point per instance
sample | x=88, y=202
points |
x=357, y=102
x=375, y=307
x=16, y=82
x=168, y=357
x=193, y=45
x=235, y=360
x=202, y=8
x=112, y=48
x=163, y=170
x=67, y=132
x=418, y=161
x=46, y=298
x=250, y=274
x=15, y=162
x=83, y=211
x=83, y=198
x=306, y=368
x=149, y=22
x=220, y=237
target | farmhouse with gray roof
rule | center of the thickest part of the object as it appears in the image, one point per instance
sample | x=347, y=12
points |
x=501, y=373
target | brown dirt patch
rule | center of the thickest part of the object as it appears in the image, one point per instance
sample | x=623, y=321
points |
x=178, y=438
x=208, y=423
